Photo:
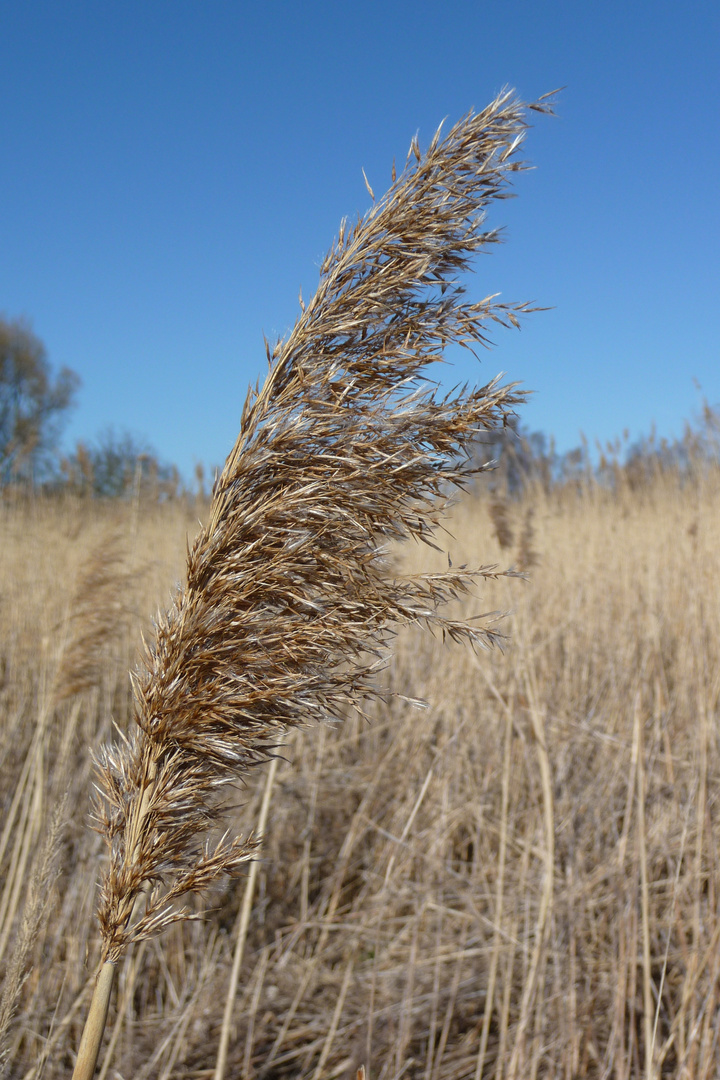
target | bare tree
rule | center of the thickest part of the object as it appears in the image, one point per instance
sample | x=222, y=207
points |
x=33, y=404
x=116, y=465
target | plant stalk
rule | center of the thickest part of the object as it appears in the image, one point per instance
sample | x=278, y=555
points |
x=95, y=1024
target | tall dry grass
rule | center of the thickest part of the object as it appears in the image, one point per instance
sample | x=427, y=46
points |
x=290, y=600
x=518, y=881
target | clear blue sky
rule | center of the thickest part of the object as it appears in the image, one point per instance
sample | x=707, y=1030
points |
x=173, y=171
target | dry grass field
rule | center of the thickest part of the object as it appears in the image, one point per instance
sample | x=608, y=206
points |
x=520, y=880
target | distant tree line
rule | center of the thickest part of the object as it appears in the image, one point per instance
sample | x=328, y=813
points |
x=34, y=404
x=116, y=465
x=522, y=458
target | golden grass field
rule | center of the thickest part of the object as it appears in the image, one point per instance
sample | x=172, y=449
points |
x=520, y=880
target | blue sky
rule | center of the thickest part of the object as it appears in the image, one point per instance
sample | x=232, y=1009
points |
x=173, y=172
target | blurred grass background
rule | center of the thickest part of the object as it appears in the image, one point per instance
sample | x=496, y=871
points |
x=518, y=881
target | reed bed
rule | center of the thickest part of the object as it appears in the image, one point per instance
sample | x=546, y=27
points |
x=518, y=881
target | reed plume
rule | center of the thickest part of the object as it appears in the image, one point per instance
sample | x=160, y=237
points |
x=499, y=511
x=290, y=601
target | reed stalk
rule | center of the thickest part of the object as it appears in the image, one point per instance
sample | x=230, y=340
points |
x=290, y=602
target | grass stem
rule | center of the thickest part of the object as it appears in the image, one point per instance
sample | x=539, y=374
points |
x=95, y=1024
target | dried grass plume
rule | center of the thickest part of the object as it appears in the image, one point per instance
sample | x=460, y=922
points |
x=290, y=603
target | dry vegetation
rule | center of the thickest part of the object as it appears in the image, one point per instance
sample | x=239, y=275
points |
x=517, y=880
x=520, y=880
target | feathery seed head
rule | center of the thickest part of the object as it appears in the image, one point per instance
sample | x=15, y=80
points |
x=290, y=603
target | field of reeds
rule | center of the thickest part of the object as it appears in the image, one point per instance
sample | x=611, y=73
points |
x=519, y=880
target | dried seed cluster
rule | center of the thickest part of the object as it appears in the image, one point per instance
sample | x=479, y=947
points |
x=290, y=603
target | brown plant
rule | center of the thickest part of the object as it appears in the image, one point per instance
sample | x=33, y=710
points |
x=290, y=602
x=98, y=615
x=527, y=557
x=500, y=516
